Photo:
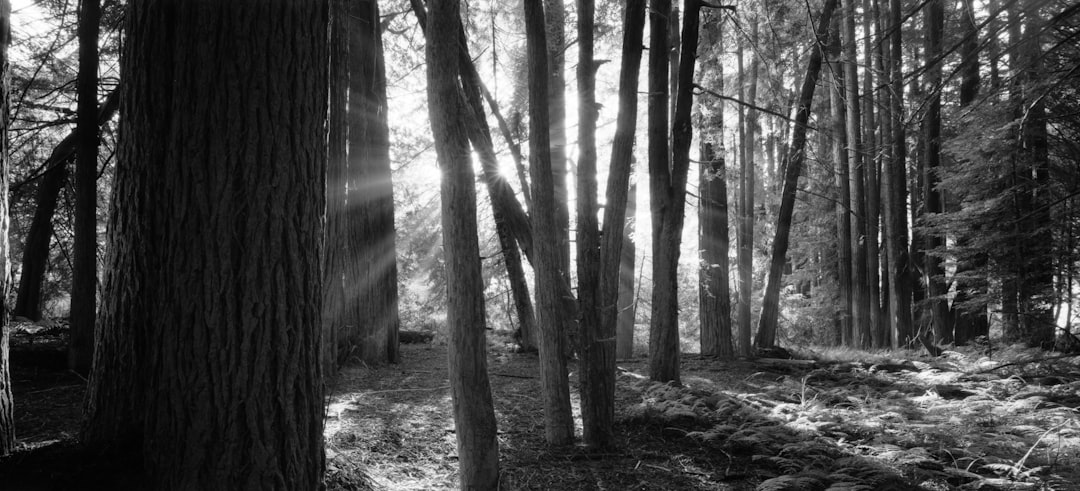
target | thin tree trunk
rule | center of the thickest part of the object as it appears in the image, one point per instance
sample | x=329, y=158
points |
x=558, y=422
x=84, y=264
x=744, y=346
x=932, y=197
x=617, y=297
x=896, y=230
x=746, y=208
x=474, y=415
x=884, y=154
x=842, y=177
x=861, y=288
x=793, y=162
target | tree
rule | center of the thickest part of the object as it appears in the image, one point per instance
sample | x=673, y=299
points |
x=558, y=422
x=895, y=189
x=933, y=202
x=7, y=418
x=838, y=136
x=35, y=255
x=334, y=317
x=748, y=121
x=861, y=301
x=371, y=281
x=714, y=291
x=474, y=415
x=793, y=162
x=626, y=305
x=207, y=365
x=84, y=269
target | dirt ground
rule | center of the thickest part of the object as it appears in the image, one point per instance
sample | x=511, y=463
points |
x=961, y=421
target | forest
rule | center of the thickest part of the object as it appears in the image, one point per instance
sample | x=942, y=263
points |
x=539, y=244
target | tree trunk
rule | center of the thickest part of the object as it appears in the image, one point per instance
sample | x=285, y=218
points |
x=334, y=317
x=555, y=23
x=211, y=319
x=35, y=259
x=895, y=185
x=793, y=162
x=626, y=305
x=714, y=295
x=878, y=257
x=559, y=424
x=838, y=113
x=84, y=264
x=861, y=288
x=616, y=298
x=932, y=197
x=474, y=415
x=371, y=282
x=748, y=145
x=7, y=418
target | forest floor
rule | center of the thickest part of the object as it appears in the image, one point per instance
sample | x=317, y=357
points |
x=845, y=421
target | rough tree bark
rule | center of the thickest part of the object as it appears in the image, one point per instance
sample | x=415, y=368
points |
x=626, y=305
x=213, y=296
x=35, y=258
x=84, y=262
x=932, y=198
x=861, y=294
x=474, y=415
x=558, y=421
x=714, y=293
x=747, y=147
x=793, y=162
x=371, y=297
x=7, y=418
x=838, y=136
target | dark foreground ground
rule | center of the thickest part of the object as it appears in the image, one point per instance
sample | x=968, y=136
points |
x=961, y=421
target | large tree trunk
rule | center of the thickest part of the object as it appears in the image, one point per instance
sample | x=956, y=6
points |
x=558, y=421
x=474, y=415
x=876, y=260
x=793, y=162
x=7, y=419
x=84, y=264
x=35, y=259
x=612, y=286
x=208, y=354
x=334, y=317
x=555, y=23
x=895, y=186
x=371, y=283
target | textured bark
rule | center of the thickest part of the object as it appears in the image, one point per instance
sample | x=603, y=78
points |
x=895, y=188
x=474, y=415
x=663, y=323
x=555, y=23
x=932, y=197
x=860, y=308
x=334, y=319
x=371, y=296
x=793, y=163
x=208, y=357
x=714, y=294
x=558, y=421
x=876, y=257
x=597, y=349
x=838, y=113
x=84, y=261
x=7, y=419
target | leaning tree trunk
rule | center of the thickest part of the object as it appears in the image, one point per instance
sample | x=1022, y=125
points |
x=558, y=421
x=7, y=419
x=84, y=264
x=474, y=415
x=208, y=366
x=35, y=258
x=371, y=297
x=793, y=162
